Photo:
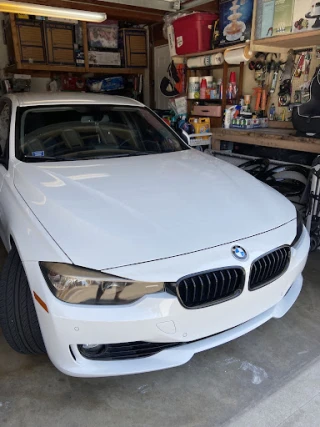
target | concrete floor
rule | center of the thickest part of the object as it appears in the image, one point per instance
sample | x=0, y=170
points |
x=269, y=377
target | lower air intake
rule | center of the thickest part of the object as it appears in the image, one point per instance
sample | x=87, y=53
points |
x=123, y=351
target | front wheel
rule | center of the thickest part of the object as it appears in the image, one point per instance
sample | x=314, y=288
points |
x=18, y=317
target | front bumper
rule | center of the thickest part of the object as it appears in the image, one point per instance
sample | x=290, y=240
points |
x=161, y=318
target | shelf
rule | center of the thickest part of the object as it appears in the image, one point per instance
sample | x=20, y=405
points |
x=45, y=67
x=49, y=68
x=98, y=70
x=212, y=52
x=207, y=67
x=215, y=101
x=213, y=67
x=287, y=41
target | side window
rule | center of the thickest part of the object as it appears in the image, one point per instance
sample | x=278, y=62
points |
x=4, y=128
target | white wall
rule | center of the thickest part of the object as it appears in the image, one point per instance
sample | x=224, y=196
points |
x=39, y=84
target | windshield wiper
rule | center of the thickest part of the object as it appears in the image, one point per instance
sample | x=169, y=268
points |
x=29, y=158
x=137, y=153
x=47, y=159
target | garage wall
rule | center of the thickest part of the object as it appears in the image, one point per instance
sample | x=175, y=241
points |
x=146, y=76
x=3, y=49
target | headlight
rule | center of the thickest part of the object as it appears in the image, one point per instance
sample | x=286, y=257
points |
x=299, y=228
x=77, y=285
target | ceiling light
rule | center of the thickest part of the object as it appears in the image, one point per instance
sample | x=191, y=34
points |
x=52, y=12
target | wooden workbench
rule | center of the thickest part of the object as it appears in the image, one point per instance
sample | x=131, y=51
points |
x=267, y=137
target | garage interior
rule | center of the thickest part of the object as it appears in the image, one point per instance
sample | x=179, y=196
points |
x=241, y=93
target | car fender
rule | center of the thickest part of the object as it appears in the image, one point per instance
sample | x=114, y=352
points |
x=31, y=239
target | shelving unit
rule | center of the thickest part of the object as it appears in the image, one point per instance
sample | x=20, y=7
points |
x=285, y=42
x=217, y=121
x=29, y=68
x=282, y=43
x=49, y=69
x=213, y=51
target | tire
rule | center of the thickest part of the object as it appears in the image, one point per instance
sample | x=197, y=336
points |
x=18, y=317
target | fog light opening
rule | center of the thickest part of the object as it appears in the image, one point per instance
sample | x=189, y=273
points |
x=92, y=348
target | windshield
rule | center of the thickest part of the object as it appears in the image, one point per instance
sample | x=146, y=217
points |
x=77, y=132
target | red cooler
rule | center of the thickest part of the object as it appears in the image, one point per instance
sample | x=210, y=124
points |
x=193, y=32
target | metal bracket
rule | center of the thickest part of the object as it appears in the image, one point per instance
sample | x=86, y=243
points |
x=177, y=5
x=315, y=196
x=316, y=172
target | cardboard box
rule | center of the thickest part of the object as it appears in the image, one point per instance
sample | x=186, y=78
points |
x=103, y=36
x=264, y=21
x=235, y=21
x=301, y=9
x=79, y=58
x=241, y=123
x=283, y=14
x=110, y=59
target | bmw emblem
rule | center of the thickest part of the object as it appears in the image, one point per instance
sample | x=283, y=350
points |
x=239, y=253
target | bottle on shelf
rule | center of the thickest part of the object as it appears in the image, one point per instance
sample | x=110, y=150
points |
x=203, y=89
x=213, y=91
x=219, y=88
x=272, y=112
x=209, y=80
x=232, y=86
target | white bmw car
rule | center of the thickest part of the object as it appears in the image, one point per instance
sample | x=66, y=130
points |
x=128, y=251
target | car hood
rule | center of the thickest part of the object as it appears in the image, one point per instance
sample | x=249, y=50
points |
x=107, y=213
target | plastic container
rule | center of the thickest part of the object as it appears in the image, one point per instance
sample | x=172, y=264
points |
x=201, y=125
x=193, y=32
x=194, y=88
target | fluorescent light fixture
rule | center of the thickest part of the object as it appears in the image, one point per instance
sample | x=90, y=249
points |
x=52, y=12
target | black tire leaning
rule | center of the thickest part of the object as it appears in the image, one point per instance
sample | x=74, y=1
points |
x=18, y=317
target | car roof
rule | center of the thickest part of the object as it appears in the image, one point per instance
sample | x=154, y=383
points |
x=27, y=99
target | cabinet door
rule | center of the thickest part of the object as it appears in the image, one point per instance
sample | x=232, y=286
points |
x=136, y=49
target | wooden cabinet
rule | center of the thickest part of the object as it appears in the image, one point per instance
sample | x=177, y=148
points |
x=59, y=43
x=44, y=47
x=25, y=40
x=134, y=47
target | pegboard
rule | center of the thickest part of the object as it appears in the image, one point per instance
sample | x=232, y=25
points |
x=250, y=83
x=297, y=82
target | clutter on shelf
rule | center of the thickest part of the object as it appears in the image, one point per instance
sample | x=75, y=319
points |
x=264, y=18
x=16, y=83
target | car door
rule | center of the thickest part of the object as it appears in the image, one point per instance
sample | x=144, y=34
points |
x=5, y=119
